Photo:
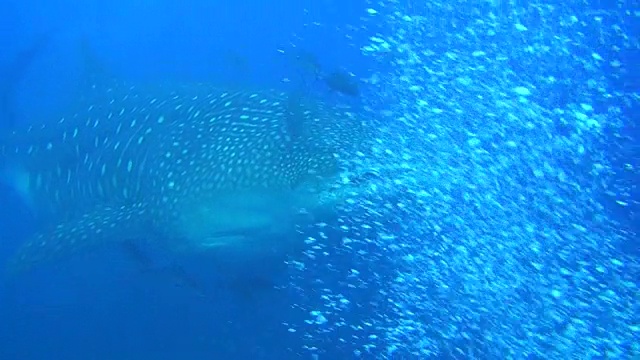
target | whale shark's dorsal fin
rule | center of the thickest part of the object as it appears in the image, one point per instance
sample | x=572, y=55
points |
x=13, y=74
x=95, y=71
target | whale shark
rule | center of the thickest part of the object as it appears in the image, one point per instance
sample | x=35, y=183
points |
x=196, y=166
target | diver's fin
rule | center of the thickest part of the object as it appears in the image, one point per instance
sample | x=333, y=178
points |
x=102, y=226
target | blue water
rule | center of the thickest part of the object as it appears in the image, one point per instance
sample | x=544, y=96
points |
x=102, y=306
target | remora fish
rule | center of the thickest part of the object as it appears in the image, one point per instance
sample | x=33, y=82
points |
x=192, y=164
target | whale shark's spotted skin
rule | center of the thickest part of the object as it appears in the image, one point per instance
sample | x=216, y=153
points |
x=193, y=164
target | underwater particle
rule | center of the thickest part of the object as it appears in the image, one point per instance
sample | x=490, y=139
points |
x=522, y=91
x=520, y=27
x=408, y=258
x=473, y=142
x=586, y=107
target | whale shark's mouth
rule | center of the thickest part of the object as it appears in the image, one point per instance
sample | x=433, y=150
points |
x=258, y=220
x=215, y=241
x=231, y=220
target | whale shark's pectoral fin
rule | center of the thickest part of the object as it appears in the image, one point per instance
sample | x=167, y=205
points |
x=101, y=226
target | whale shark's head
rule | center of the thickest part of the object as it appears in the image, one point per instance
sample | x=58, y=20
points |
x=267, y=220
x=262, y=228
